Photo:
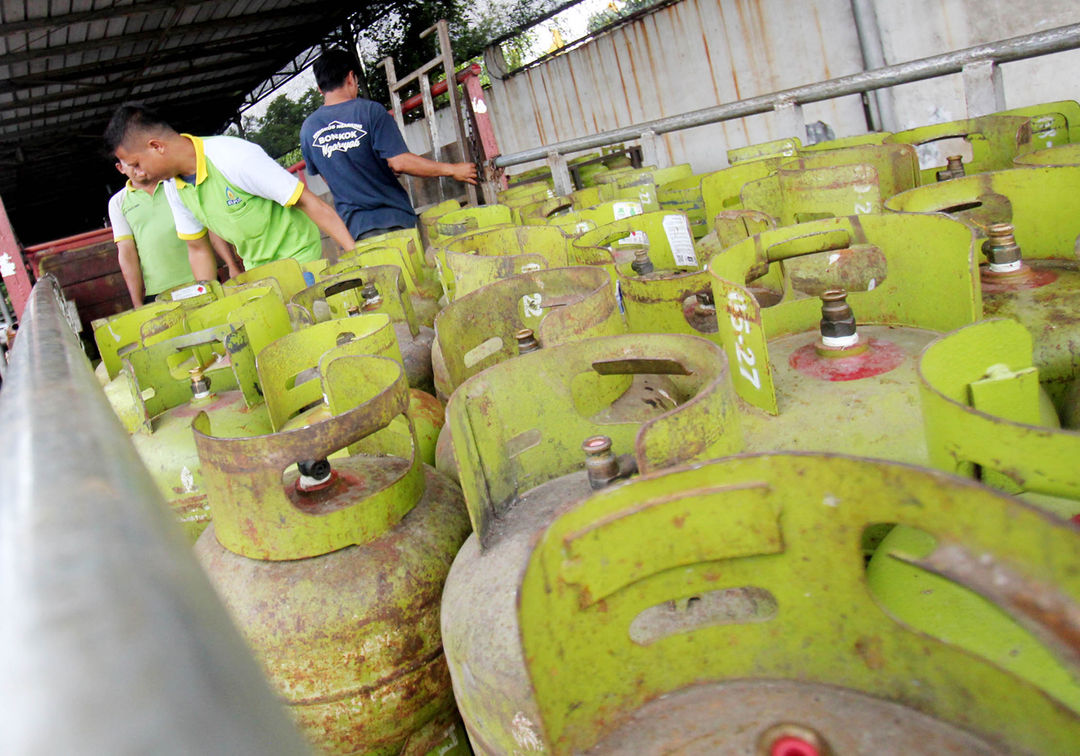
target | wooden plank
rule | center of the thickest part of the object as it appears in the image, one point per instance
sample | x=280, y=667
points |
x=84, y=267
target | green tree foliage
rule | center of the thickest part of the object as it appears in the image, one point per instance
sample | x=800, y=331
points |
x=278, y=131
x=610, y=15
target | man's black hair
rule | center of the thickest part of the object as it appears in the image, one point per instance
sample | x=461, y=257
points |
x=129, y=118
x=331, y=69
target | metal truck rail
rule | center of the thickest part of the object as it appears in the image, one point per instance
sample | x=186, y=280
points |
x=112, y=639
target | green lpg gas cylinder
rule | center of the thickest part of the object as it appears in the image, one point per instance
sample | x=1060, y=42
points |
x=407, y=240
x=430, y=216
x=469, y=219
x=533, y=435
x=1030, y=272
x=378, y=289
x=333, y=574
x=778, y=148
x=577, y=222
x=858, y=140
x=1052, y=123
x=289, y=369
x=823, y=323
x=473, y=260
x=516, y=316
x=121, y=333
x=972, y=145
x=660, y=280
x=284, y=276
x=1066, y=154
x=724, y=608
x=209, y=367
x=833, y=183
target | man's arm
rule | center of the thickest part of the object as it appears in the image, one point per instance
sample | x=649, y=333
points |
x=325, y=218
x=414, y=165
x=201, y=258
x=131, y=270
x=224, y=250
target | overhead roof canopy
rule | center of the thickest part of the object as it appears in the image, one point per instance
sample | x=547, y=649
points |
x=66, y=64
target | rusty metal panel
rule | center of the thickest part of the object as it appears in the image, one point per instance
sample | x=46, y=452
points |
x=690, y=55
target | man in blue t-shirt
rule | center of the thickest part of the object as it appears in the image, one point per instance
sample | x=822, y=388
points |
x=356, y=147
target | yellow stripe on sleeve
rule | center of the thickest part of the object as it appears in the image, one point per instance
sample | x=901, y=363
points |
x=192, y=237
x=296, y=194
x=123, y=237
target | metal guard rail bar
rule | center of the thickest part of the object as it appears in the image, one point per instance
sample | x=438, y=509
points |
x=1016, y=48
x=111, y=638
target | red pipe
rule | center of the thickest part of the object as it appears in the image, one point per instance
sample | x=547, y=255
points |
x=70, y=242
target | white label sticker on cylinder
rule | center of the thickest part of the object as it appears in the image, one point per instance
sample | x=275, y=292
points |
x=530, y=267
x=680, y=240
x=188, y=292
x=635, y=237
x=626, y=209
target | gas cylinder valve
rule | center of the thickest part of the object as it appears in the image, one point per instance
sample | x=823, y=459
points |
x=642, y=264
x=372, y=298
x=601, y=464
x=315, y=474
x=1001, y=249
x=837, y=321
x=954, y=168
x=526, y=341
x=790, y=739
x=353, y=310
x=200, y=383
x=705, y=304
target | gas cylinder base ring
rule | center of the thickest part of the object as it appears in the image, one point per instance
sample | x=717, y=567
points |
x=1025, y=278
x=879, y=357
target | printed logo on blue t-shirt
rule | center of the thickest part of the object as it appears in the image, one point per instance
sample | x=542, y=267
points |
x=337, y=136
x=231, y=197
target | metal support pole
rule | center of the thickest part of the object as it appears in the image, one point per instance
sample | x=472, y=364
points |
x=446, y=52
x=650, y=151
x=882, y=110
x=560, y=174
x=112, y=639
x=12, y=266
x=1017, y=48
x=387, y=63
x=983, y=88
x=789, y=120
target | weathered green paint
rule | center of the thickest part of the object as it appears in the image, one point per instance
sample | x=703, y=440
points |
x=684, y=195
x=799, y=520
x=720, y=190
x=1052, y=123
x=931, y=283
x=943, y=610
x=428, y=219
x=190, y=298
x=665, y=234
x=510, y=434
x=1033, y=457
x=559, y=305
x=1040, y=204
x=408, y=241
x=778, y=148
x=469, y=219
x=848, y=181
x=995, y=140
x=873, y=137
x=465, y=263
x=125, y=331
x=285, y=275
x=1066, y=154
x=339, y=598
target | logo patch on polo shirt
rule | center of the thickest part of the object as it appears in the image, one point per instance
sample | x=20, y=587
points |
x=231, y=198
x=338, y=136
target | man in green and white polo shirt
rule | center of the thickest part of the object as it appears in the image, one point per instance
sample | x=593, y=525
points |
x=227, y=185
x=152, y=257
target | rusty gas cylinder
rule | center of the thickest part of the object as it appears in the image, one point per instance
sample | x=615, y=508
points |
x=1028, y=267
x=201, y=360
x=332, y=568
x=376, y=289
x=541, y=431
x=290, y=366
x=481, y=329
x=831, y=364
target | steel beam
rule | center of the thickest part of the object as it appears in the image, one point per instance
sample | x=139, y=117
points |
x=1017, y=48
x=113, y=640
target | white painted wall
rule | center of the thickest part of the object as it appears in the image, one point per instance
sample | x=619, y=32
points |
x=699, y=53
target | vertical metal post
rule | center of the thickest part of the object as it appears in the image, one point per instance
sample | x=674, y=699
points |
x=789, y=119
x=882, y=112
x=560, y=174
x=12, y=266
x=429, y=116
x=650, y=151
x=446, y=52
x=387, y=63
x=983, y=88
x=484, y=137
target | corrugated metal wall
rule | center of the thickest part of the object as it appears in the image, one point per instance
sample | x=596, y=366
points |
x=698, y=53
